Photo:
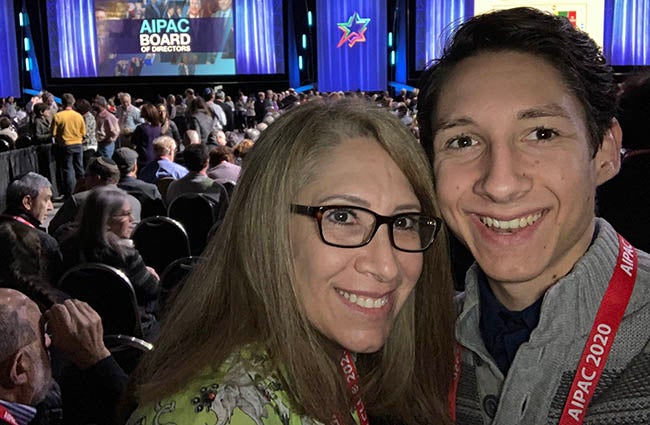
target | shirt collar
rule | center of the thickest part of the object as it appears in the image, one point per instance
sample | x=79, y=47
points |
x=22, y=413
x=496, y=315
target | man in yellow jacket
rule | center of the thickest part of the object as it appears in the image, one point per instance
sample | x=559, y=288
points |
x=68, y=129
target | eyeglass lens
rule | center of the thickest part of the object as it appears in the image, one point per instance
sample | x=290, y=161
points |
x=353, y=227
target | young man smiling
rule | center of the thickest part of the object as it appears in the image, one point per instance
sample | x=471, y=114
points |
x=518, y=116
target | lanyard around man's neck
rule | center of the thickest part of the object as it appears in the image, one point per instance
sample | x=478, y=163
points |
x=598, y=345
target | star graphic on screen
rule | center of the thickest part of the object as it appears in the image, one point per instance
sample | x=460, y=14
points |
x=354, y=30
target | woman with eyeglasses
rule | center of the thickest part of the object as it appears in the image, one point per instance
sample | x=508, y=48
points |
x=326, y=296
x=102, y=235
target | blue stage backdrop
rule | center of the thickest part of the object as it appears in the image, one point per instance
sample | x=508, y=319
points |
x=435, y=20
x=352, y=51
x=106, y=38
x=627, y=32
x=9, y=71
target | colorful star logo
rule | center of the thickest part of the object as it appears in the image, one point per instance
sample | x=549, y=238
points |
x=354, y=30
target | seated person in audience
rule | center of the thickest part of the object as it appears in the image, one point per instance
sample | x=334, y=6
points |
x=100, y=172
x=75, y=329
x=220, y=139
x=25, y=265
x=29, y=200
x=147, y=193
x=6, y=129
x=241, y=150
x=190, y=137
x=164, y=147
x=305, y=278
x=221, y=167
x=197, y=181
x=102, y=234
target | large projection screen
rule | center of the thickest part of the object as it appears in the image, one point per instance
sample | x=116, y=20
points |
x=130, y=38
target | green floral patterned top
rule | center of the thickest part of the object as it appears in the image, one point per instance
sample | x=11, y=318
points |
x=237, y=393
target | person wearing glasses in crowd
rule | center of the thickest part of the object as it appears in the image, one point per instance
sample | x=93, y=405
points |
x=326, y=294
x=102, y=235
x=519, y=114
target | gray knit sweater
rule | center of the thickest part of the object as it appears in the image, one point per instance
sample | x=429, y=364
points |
x=539, y=379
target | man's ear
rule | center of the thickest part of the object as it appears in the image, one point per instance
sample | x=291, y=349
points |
x=20, y=364
x=608, y=156
x=27, y=203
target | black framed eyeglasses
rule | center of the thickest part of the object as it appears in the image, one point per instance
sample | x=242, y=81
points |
x=345, y=226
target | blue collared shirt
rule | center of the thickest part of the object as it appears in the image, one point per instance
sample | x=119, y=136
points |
x=161, y=168
x=502, y=330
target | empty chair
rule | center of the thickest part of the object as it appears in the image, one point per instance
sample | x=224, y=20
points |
x=108, y=291
x=24, y=141
x=197, y=212
x=5, y=143
x=160, y=241
x=230, y=187
x=174, y=276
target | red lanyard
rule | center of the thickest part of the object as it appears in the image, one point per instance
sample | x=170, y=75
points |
x=19, y=219
x=352, y=378
x=600, y=341
x=6, y=416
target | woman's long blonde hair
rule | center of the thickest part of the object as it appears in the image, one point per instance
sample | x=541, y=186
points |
x=246, y=291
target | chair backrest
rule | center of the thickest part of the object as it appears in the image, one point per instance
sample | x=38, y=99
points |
x=150, y=207
x=197, y=212
x=23, y=141
x=229, y=185
x=178, y=270
x=174, y=276
x=108, y=291
x=5, y=143
x=163, y=184
x=160, y=241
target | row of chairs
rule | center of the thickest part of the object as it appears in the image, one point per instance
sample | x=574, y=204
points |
x=191, y=219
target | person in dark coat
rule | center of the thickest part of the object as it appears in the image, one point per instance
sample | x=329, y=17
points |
x=147, y=193
x=29, y=200
x=144, y=134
